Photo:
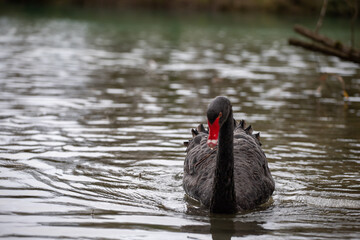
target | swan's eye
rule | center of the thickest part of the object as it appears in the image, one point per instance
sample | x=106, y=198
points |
x=220, y=115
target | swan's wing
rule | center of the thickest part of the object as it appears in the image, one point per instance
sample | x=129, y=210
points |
x=199, y=168
x=198, y=153
x=253, y=181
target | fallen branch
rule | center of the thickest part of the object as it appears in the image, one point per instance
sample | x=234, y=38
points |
x=326, y=50
x=325, y=45
x=323, y=39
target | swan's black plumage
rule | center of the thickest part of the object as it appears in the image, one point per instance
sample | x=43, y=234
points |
x=235, y=175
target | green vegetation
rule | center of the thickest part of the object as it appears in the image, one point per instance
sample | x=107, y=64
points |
x=335, y=7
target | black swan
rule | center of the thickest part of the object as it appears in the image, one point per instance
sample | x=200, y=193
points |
x=225, y=168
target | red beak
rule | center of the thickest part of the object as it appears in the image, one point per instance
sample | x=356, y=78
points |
x=213, y=133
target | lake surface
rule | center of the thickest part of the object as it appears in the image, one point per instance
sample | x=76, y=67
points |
x=95, y=108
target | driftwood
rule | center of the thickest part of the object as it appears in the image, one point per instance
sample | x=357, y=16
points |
x=325, y=45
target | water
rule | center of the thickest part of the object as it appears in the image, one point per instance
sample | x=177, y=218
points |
x=95, y=108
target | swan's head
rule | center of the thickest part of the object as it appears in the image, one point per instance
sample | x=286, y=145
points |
x=217, y=113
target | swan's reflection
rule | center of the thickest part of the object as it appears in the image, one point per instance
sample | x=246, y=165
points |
x=224, y=226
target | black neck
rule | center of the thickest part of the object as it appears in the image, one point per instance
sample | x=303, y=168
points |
x=223, y=199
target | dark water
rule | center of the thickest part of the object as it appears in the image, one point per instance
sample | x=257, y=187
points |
x=94, y=111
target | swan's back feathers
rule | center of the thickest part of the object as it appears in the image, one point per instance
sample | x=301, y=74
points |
x=253, y=181
x=248, y=130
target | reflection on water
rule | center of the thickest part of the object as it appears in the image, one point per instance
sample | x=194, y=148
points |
x=94, y=114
